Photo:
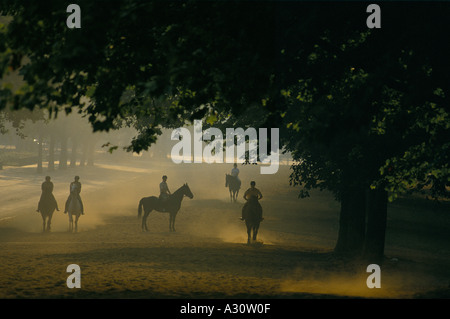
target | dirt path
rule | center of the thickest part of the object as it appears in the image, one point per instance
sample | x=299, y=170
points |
x=207, y=257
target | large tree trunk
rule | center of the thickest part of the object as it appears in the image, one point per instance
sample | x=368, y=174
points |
x=90, y=153
x=73, y=156
x=351, y=223
x=84, y=150
x=376, y=226
x=51, y=153
x=63, y=153
x=39, y=161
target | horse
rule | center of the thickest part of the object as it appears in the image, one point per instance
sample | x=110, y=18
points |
x=47, y=206
x=252, y=212
x=171, y=205
x=233, y=184
x=74, y=210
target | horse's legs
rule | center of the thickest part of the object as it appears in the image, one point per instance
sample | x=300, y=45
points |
x=249, y=232
x=255, y=232
x=43, y=222
x=49, y=220
x=76, y=222
x=70, y=221
x=144, y=218
x=144, y=221
x=171, y=222
x=146, y=226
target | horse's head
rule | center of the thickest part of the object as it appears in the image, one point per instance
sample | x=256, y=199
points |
x=187, y=191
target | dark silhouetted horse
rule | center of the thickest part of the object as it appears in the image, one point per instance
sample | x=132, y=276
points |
x=47, y=206
x=171, y=205
x=233, y=185
x=252, y=211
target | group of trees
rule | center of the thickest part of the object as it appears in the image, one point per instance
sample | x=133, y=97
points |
x=65, y=142
x=364, y=112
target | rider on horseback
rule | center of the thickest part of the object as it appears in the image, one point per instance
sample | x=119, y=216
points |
x=164, y=191
x=255, y=193
x=235, y=173
x=47, y=193
x=75, y=190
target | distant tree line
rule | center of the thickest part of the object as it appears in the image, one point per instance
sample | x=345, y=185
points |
x=62, y=143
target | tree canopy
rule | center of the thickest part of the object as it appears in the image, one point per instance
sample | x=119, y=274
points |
x=313, y=69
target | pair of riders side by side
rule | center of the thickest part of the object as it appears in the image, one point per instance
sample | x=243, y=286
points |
x=47, y=194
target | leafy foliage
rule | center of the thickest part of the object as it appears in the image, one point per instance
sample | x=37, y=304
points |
x=357, y=108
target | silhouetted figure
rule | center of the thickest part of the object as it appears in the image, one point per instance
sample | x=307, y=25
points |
x=47, y=194
x=75, y=190
x=47, y=204
x=252, y=211
x=164, y=191
x=233, y=185
x=252, y=193
x=235, y=173
x=233, y=182
x=172, y=206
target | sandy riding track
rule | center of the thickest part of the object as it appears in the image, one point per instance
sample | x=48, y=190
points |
x=208, y=256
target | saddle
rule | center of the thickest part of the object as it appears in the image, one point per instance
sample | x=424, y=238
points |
x=252, y=205
x=163, y=201
x=236, y=180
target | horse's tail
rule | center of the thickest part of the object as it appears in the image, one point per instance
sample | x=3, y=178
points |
x=140, y=208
